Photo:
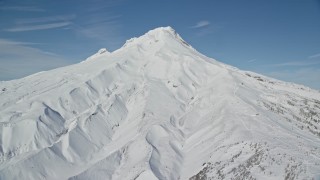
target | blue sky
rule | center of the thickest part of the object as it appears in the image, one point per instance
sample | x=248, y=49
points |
x=277, y=38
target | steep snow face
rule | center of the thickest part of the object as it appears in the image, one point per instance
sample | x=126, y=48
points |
x=157, y=109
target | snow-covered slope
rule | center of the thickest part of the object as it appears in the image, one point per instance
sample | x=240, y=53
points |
x=157, y=109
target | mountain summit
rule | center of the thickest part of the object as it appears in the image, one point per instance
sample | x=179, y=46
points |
x=157, y=109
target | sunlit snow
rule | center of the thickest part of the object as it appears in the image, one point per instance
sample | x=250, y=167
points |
x=157, y=109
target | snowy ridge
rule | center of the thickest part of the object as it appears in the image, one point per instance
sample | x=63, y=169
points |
x=99, y=53
x=157, y=109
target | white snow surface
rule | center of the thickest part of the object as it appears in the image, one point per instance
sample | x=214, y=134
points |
x=157, y=109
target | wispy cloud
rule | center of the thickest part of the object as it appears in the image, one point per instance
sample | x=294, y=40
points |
x=295, y=63
x=22, y=8
x=12, y=43
x=67, y=17
x=251, y=60
x=314, y=56
x=38, y=27
x=307, y=76
x=201, y=24
x=204, y=28
x=18, y=60
x=41, y=23
x=102, y=27
x=98, y=5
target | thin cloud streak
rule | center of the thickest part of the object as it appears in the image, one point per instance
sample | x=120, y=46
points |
x=294, y=63
x=18, y=60
x=46, y=19
x=101, y=27
x=98, y=6
x=38, y=27
x=307, y=76
x=8, y=42
x=41, y=23
x=22, y=8
x=201, y=24
x=314, y=56
x=252, y=60
x=204, y=28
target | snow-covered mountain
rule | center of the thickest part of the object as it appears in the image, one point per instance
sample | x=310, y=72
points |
x=157, y=109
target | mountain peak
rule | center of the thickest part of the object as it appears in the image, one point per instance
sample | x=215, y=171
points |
x=156, y=109
x=163, y=34
x=167, y=29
